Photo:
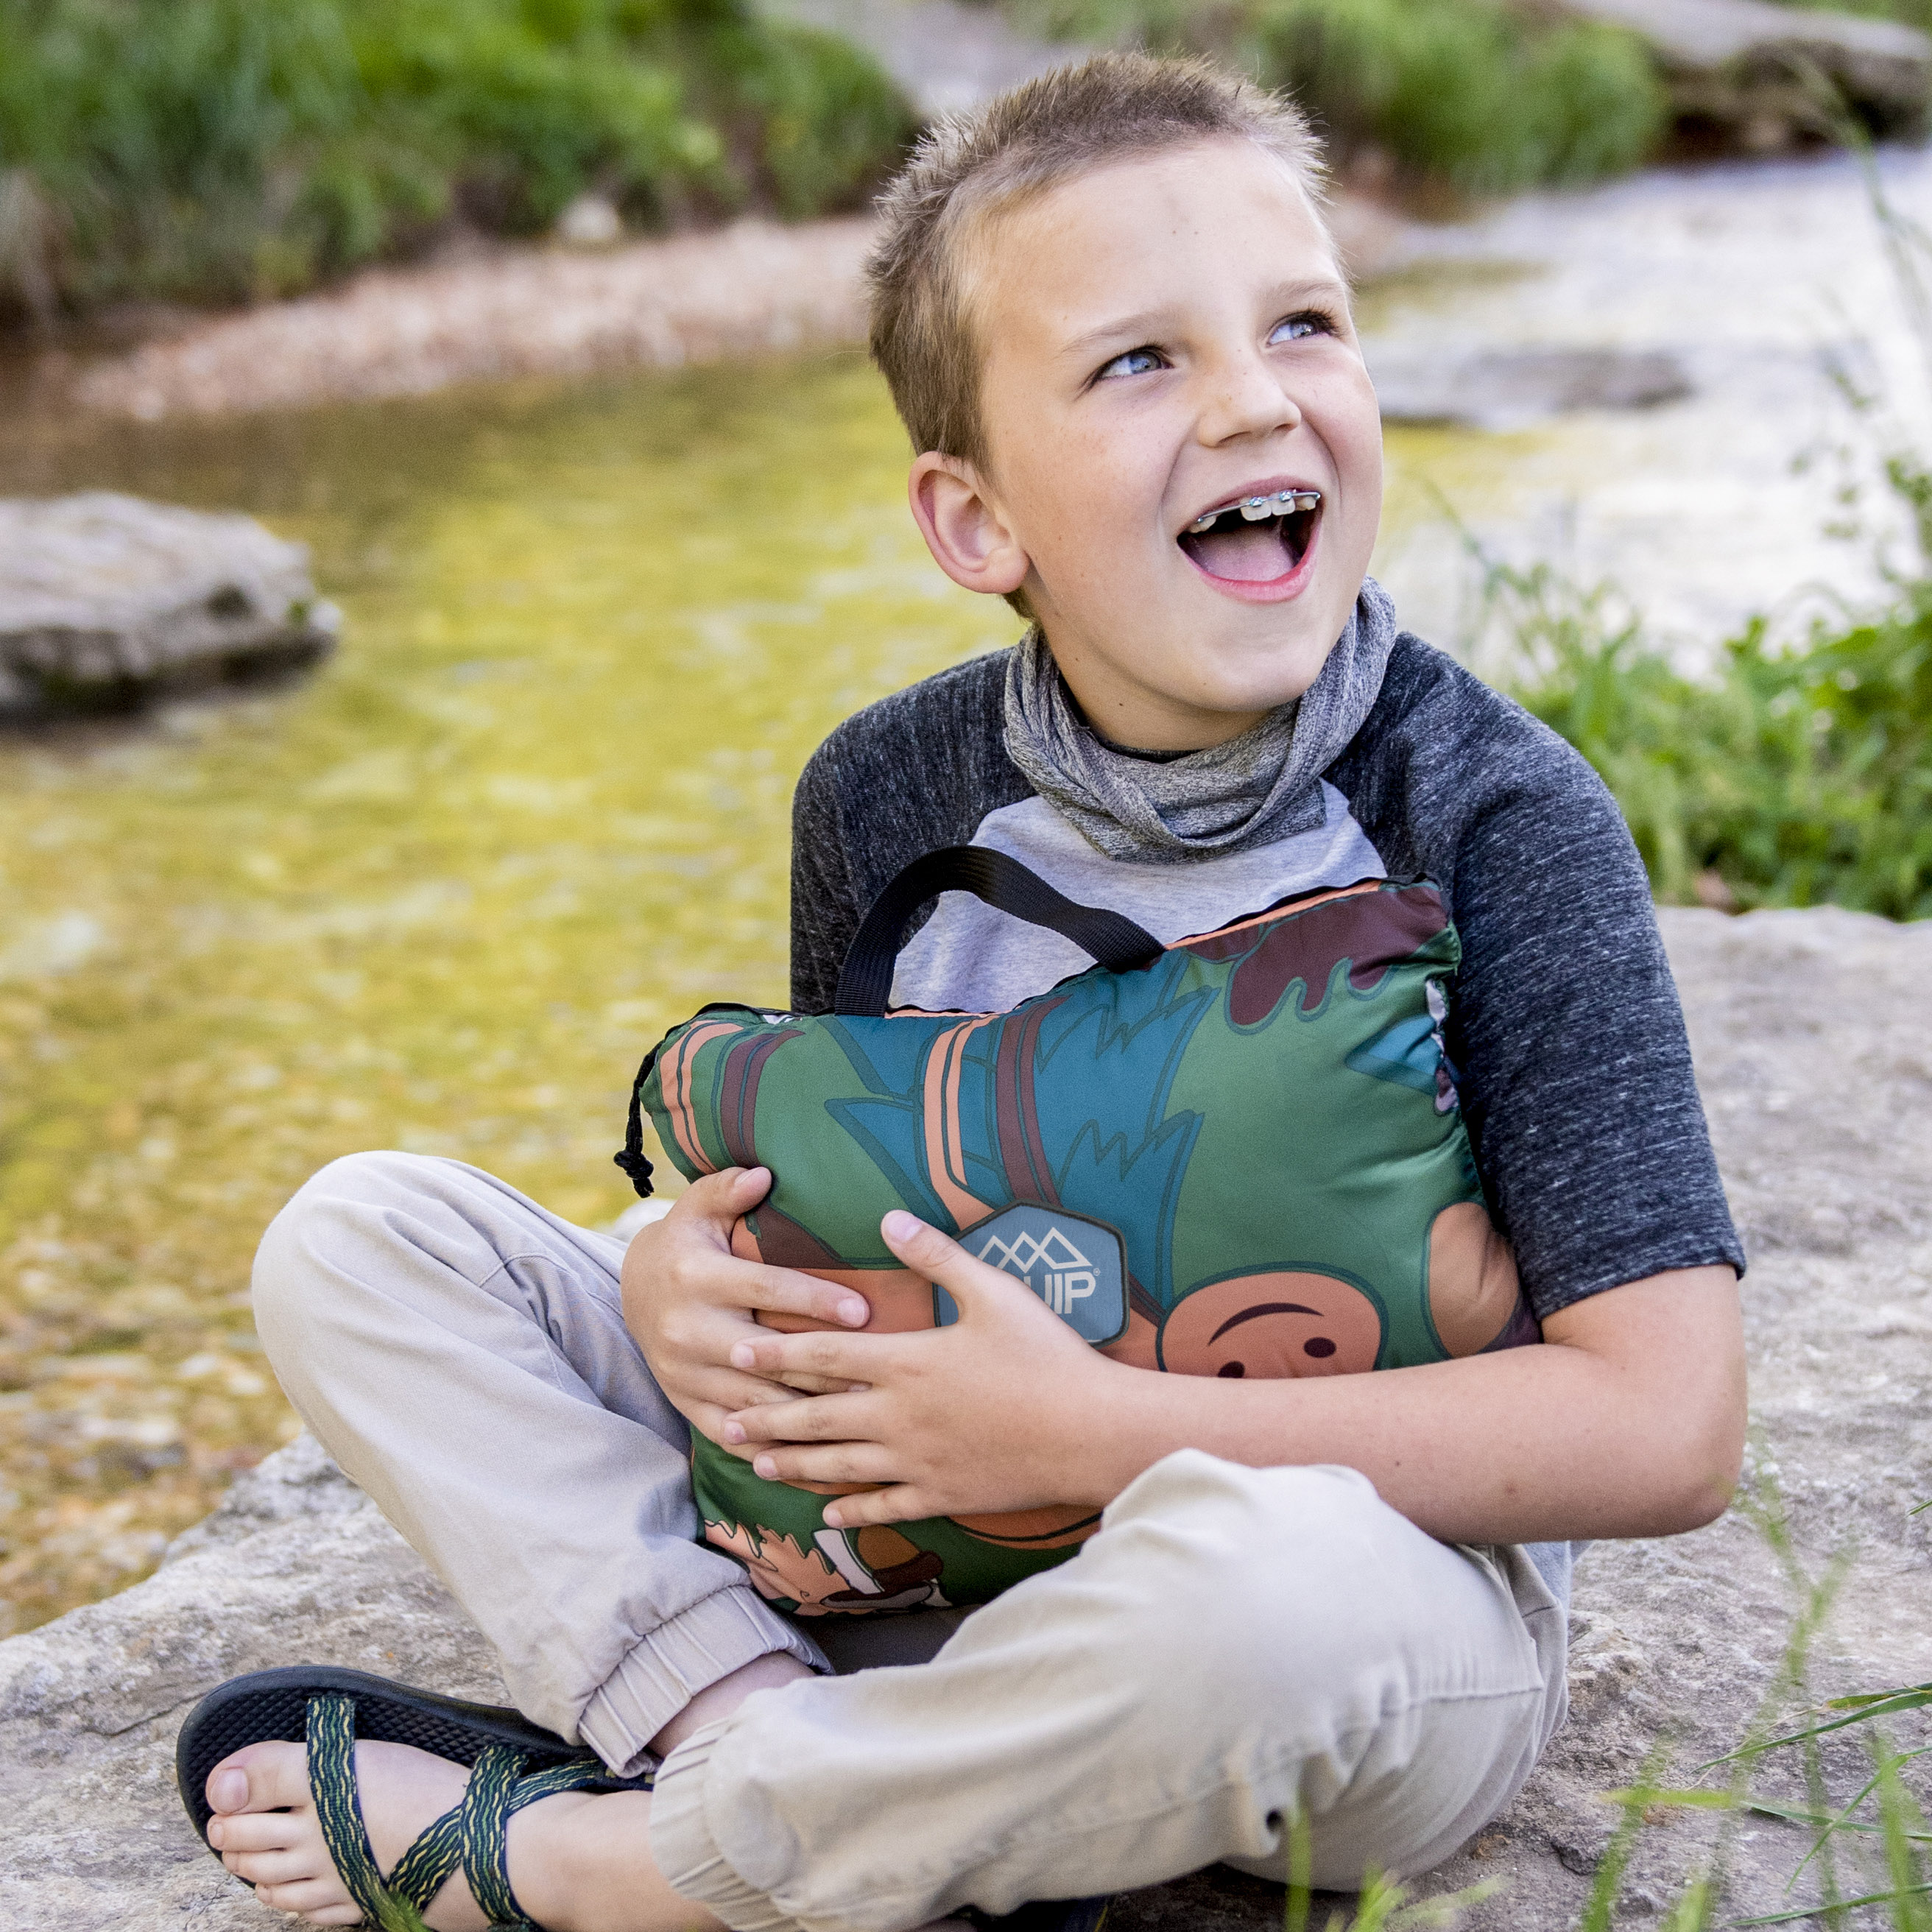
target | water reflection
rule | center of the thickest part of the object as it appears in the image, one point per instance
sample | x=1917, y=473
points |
x=440, y=898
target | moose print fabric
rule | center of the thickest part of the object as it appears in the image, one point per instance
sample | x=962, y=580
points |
x=1245, y=1158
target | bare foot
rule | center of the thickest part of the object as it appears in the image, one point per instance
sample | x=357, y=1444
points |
x=579, y=1862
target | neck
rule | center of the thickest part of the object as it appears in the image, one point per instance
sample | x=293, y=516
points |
x=1131, y=717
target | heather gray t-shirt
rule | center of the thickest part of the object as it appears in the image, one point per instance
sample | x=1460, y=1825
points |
x=1564, y=1027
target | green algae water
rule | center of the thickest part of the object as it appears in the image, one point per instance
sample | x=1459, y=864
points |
x=440, y=896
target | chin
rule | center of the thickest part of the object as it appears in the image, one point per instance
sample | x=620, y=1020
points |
x=1268, y=664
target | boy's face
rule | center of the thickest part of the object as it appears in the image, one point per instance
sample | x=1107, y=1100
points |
x=1165, y=338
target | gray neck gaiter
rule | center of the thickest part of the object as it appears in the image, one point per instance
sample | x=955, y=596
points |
x=1262, y=786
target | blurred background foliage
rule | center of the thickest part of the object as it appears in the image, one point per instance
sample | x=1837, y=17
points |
x=1913, y=12
x=1793, y=777
x=1476, y=94
x=225, y=149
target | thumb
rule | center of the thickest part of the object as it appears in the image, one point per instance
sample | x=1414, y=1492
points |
x=941, y=1259
x=722, y=1198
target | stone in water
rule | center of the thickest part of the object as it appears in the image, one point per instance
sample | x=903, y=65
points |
x=102, y=593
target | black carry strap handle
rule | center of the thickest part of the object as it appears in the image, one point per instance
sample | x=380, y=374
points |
x=865, y=980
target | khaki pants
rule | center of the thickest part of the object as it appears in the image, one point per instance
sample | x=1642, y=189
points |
x=1234, y=1647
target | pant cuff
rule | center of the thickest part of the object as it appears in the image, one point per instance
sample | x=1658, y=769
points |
x=687, y=1854
x=666, y=1668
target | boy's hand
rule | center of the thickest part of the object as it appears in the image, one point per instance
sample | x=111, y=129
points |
x=988, y=1415
x=688, y=1300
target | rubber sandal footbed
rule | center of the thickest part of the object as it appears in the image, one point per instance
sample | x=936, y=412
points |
x=274, y=1704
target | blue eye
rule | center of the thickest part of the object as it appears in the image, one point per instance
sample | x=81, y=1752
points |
x=1293, y=328
x=1135, y=362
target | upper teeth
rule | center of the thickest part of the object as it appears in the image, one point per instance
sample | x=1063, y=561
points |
x=1253, y=509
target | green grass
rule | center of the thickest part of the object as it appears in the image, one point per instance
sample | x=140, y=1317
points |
x=1482, y=96
x=1870, y=1852
x=222, y=149
x=1795, y=777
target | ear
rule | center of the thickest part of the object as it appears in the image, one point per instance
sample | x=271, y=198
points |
x=964, y=526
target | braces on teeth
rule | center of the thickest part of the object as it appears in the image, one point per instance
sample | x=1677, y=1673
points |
x=1254, y=509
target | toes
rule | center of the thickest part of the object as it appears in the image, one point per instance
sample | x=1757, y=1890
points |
x=264, y=1777
x=279, y=1868
x=260, y=1830
x=317, y=1901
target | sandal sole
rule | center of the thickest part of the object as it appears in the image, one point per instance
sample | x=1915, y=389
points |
x=270, y=1705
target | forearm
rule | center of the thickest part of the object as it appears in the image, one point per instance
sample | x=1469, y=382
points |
x=1579, y=1437
x=1628, y=1420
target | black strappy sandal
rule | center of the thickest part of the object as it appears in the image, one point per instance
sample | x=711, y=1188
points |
x=513, y=1763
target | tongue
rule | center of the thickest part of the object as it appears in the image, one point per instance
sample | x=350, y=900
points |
x=1255, y=553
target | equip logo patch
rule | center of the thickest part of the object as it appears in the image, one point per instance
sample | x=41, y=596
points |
x=1076, y=1266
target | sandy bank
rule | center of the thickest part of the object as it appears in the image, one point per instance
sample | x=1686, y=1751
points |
x=748, y=290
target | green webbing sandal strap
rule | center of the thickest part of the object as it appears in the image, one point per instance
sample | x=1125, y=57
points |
x=494, y=1794
x=331, y=1735
x=485, y=1811
x=471, y=1835
x=421, y=1872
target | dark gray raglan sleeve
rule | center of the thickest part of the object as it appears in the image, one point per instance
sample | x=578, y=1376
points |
x=825, y=912
x=1565, y=1029
x=916, y=771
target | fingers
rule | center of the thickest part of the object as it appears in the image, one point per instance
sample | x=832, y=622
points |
x=867, y=1462
x=720, y=1197
x=820, y=1418
x=726, y=1391
x=850, y=1358
x=782, y=1292
x=896, y=1502
x=917, y=1242
x=805, y=1384
x=941, y=1259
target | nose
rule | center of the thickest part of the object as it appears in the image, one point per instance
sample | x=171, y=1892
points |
x=1243, y=397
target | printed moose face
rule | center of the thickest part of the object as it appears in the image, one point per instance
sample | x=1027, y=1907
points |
x=1284, y=1323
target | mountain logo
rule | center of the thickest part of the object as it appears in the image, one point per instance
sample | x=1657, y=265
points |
x=1066, y=1276
x=1077, y=1267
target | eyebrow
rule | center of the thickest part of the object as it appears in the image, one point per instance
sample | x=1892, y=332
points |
x=1151, y=322
x=1256, y=1313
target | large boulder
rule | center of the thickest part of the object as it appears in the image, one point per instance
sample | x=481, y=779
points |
x=1504, y=389
x=1745, y=68
x=102, y=592
x=1818, y=1076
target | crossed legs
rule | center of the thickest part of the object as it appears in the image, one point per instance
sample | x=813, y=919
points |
x=1235, y=1647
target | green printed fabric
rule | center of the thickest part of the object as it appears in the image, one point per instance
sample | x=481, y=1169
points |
x=1245, y=1158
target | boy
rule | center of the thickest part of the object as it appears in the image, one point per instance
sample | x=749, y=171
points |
x=1114, y=322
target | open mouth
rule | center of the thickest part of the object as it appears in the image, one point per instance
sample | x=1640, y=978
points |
x=1255, y=540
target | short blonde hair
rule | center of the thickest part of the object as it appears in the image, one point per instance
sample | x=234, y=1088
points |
x=1114, y=107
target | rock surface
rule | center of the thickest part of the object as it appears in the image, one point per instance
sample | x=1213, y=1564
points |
x=1738, y=64
x=1503, y=388
x=102, y=589
x=1818, y=1075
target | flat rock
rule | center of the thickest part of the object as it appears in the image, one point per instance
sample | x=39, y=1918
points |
x=1817, y=1072
x=104, y=590
x=1503, y=388
x=1739, y=63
